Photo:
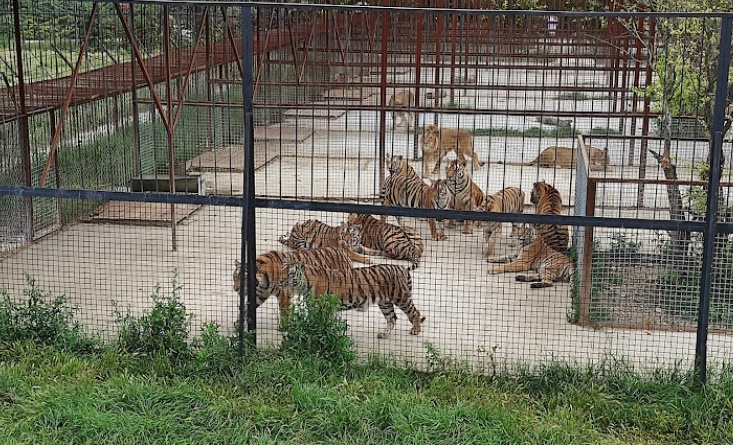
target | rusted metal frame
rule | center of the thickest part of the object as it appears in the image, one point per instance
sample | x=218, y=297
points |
x=438, y=61
x=189, y=71
x=306, y=49
x=232, y=40
x=135, y=110
x=340, y=47
x=293, y=45
x=264, y=52
x=209, y=90
x=171, y=128
x=624, y=77
x=635, y=94
x=454, y=38
x=646, y=113
x=143, y=66
x=67, y=99
x=23, y=121
x=418, y=80
x=383, y=98
x=586, y=276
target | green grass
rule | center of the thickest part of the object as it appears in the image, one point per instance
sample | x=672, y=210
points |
x=532, y=132
x=52, y=391
x=579, y=95
x=50, y=397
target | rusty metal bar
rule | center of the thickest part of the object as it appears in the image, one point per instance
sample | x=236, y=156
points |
x=418, y=80
x=170, y=128
x=306, y=50
x=232, y=40
x=67, y=99
x=263, y=54
x=383, y=98
x=187, y=77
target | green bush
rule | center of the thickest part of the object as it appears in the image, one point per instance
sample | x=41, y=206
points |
x=162, y=330
x=313, y=329
x=213, y=352
x=41, y=319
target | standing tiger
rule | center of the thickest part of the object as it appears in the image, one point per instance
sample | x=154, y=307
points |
x=547, y=201
x=508, y=200
x=385, y=285
x=381, y=238
x=549, y=264
x=466, y=195
x=401, y=190
x=269, y=269
x=313, y=233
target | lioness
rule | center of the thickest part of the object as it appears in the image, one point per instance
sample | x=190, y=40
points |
x=402, y=99
x=436, y=143
x=564, y=157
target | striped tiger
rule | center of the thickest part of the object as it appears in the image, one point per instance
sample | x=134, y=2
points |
x=313, y=233
x=404, y=191
x=399, y=166
x=547, y=201
x=269, y=269
x=466, y=195
x=508, y=200
x=385, y=285
x=549, y=264
x=381, y=238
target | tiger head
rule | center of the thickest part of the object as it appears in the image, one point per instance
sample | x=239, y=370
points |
x=526, y=233
x=539, y=189
x=397, y=165
x=350, y=235
x=442, y=196
x=455, y=171
x=293, y=276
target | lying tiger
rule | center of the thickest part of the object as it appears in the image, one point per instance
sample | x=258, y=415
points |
x=385, y=285
x=381, y=238
x=269, y=269
x=312, y=234
x=549, y=264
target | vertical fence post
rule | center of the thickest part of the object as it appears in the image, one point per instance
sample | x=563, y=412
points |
x=711, y=215
x=248, y=211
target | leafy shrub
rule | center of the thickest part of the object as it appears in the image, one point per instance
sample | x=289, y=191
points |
x=213, y=352
x=313, y=329
x=162, y=330
x=41, y=319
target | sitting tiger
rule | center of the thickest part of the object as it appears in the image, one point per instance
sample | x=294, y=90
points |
x=547, y=201
x=269, y=268
x=385, y=285
x=397, y=165
x=508, y=200
x=312, y=234
x=465, y=194
x=550, y=264
x=381, y=238
x=401, y=190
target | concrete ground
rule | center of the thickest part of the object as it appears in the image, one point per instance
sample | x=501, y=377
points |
x=485, y=320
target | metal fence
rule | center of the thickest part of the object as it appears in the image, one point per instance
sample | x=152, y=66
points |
x=147, y=157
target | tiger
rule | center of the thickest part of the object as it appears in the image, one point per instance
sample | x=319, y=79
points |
x=401, y=103
x=465, y=194
x=269, y=269
x=404, y=191
x=398, y=166
x=437, y=143
x=508, y=200
x=313, y=233
x=549, y=264
x=381, y=238
x=547, y=201
x=386, y=285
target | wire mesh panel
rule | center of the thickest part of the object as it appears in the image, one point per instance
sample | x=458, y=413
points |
x=466, y=114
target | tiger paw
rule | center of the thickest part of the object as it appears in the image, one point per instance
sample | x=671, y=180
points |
x=415, y=330
x=522, y=278
x=495, y=270
x=540, y=284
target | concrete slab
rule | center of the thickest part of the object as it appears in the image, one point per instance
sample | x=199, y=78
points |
x=283, y=133
x=313, y=113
